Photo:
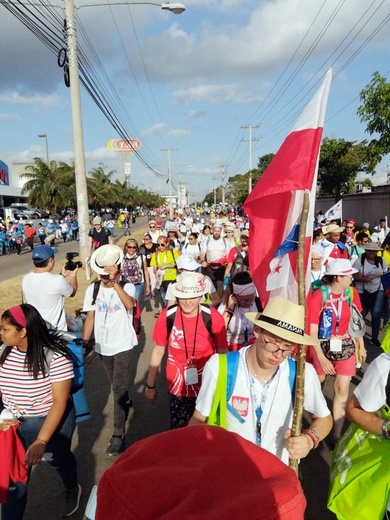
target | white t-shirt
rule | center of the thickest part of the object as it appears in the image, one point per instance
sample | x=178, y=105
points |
x=191, y=250
x=46, y=292
x=215, y=249
x=112, y=320
x=371, y=392
x=368, y=269
x=276, y=402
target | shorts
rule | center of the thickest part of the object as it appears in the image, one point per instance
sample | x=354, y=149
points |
x=342, y=368
x=216, y=275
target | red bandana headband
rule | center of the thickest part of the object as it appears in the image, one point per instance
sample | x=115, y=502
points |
x=18, y=315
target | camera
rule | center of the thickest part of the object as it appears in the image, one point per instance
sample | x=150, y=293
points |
x=70, y=265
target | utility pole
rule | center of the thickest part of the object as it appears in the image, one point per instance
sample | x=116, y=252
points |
x=222, y=172
x=215, y=190
x=250, y=152
x=169, y=150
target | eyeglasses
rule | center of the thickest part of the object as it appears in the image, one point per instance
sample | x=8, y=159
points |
x=274, y=348
x=161, y=244
x=131, y=247
x=228, y=231
x=346, y=276
x=152, y=227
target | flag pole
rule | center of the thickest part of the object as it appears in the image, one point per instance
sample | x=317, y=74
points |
x=296, y=427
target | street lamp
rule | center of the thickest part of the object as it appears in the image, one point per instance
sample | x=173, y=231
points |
x=169, y=150
x=47, y=148
x=78, y=139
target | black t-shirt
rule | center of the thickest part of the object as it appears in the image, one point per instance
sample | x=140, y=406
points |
x=99, y=238
x=147, y=252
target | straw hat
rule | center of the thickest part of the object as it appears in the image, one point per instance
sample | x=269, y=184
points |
x=190, y=285
x=104, y=256
x=332, y=228
x=285, y=319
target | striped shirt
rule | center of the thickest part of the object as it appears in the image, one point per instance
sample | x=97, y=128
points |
x=32, y=396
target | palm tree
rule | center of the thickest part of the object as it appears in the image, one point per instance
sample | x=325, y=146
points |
x=100, y=188
x=50, y=186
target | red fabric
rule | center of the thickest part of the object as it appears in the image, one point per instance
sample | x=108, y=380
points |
x=30, y=232
x=275, y=204
x=205, y=347
x=199, y=472
x=12, y=457
x=316, y=308
x=339, y=253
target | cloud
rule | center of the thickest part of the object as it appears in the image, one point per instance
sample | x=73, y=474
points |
x=195, y=114
x=154, y=129
x=8, y=117
x=230, y=93
x=14, y=98
x=180, y=132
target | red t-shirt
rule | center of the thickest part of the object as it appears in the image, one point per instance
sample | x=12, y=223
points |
x=233, y=253
x=205, y=347
x=316, y=308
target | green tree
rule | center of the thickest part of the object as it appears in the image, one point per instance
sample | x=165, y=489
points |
x=375, y=111
x=50, y=186
x=340, y=162
x=101, y=191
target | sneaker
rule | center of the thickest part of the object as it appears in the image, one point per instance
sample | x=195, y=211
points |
x=72, y=500
x=376, y=343
x=115, y=447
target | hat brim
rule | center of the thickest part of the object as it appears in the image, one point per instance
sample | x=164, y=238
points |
x=352, y=271
x=101, y=269
x=180, y=294
x=255, y=317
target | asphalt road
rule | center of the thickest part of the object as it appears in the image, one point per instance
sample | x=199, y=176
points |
x=13, y=265
x=92, y=436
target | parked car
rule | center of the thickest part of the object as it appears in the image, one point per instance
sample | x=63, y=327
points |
x=12, y=213
x=26, y=210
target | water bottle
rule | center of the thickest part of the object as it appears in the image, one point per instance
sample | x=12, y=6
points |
x=325, y=329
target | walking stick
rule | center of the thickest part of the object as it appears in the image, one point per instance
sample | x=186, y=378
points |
x=296, y=428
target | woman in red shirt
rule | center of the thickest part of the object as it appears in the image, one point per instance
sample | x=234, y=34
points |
x=329, y=320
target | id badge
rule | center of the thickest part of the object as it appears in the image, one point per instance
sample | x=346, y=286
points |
x=335, y=345
x=191, y=375
x=103, y=334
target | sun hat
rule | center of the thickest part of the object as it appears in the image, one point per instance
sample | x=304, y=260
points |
x=104, y=256
x=285, y=319
x=190, y=285
x=187, y=262
x=339, y=267
x=217, y=226
x=244, y=232
x=317, y=250
x=366, y=225
x=372, y=246
x=96, y=221
x=229, y=228
x=43, y=253
x=182, y=483
x=332, y=228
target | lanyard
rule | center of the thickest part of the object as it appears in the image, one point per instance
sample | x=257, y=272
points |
x=106, y=305
x=184, y=337
x=261, y=405
x=338, y=312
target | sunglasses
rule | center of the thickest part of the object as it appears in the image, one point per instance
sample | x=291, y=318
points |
x=161, y=244
x=152, y=227
x=131, y=247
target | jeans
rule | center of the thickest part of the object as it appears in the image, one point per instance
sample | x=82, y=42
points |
x=376, y=312
x=139, y=290
x=118, y=368
x=62, y=459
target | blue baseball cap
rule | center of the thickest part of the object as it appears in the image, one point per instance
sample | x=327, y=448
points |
x=43, y=253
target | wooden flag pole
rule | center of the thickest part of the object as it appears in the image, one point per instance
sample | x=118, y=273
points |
x=296, y=428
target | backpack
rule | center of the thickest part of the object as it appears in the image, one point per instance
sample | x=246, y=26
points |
x=227, y=374
x=238, y=264
x=131, y=270
x=137, y=322
x=206, y=316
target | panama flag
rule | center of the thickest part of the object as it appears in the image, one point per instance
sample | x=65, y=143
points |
x=335, y=212
x=275, y=204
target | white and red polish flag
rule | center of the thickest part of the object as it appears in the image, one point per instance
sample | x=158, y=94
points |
x=275, y=204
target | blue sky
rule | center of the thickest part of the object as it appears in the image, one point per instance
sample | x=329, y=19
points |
x=190, y=81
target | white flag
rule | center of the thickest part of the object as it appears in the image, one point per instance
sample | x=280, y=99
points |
x=335, y=212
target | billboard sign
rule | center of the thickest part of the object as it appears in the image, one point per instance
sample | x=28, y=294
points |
x=4, y=174
x=124, y=145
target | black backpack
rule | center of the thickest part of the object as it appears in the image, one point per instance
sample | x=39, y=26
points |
x=206, y=316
